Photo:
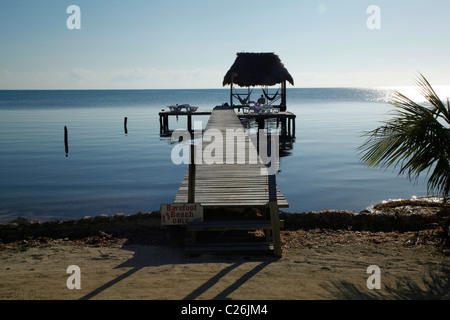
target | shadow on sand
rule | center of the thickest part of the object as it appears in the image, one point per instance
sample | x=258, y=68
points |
x=152, y=256
x=435, y=286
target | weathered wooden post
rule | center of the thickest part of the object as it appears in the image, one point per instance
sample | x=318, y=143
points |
x=125, y=120
x=233, y=74
x=289, y=127
x=66, y=141
x=283, y=96
x=293, y=127
x=166, y=124
x=261, y=125
x=189, y=122
x=191, y=181
x=273, y=205
x=283, y=126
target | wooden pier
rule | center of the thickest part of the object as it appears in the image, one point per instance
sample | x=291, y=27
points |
x=285, y=119
x=233, y=186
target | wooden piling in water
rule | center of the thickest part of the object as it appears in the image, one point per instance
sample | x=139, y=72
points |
x=125, y=121
x=66, y=141
x=289, y=127
x=165, y=124
x=293, y=128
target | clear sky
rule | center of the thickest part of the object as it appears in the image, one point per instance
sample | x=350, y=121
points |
x=158, y=44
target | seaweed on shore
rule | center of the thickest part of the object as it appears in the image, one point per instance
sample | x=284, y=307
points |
x=398, y=206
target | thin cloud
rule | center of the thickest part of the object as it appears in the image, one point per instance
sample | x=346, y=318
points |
x=129, y=78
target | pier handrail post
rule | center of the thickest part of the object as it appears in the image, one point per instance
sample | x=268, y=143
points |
x=189, y=122
x=274, y=218
x=191, y=181
x=273, y=205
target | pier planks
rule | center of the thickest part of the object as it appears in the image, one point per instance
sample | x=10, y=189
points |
x=229, y=185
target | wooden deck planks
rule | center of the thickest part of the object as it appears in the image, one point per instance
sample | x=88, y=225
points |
x=230, y=185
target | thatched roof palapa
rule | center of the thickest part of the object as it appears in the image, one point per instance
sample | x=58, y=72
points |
x=257, y=69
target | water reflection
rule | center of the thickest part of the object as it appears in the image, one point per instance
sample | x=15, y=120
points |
x=286, y=137
x=285, y=128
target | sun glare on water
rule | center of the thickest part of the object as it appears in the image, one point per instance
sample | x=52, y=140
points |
x=414, y=94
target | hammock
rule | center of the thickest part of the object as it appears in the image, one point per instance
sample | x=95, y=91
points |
x=243, y=101
x=272, y=97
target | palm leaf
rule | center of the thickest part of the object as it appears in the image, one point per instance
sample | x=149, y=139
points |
x=416, y=140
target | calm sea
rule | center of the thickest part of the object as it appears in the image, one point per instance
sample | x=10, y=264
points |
x=108, y=171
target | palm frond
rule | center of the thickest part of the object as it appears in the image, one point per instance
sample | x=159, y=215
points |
x=428, y=92
x=416, y=140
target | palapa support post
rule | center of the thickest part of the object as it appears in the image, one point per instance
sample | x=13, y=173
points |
x=283, y=96
x=231, y=88
x=191, y=182
x=274, y=212
x=261, y=125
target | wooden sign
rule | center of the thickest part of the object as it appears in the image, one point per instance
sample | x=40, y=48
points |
x=181, y=213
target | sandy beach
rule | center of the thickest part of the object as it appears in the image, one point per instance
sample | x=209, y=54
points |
x=316, y=265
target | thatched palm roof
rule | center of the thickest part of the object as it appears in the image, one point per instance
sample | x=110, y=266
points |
x=257, y=69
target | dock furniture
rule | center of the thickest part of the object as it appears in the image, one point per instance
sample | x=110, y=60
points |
x=182, y=107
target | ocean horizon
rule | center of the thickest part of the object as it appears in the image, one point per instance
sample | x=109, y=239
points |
x=108, y=170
